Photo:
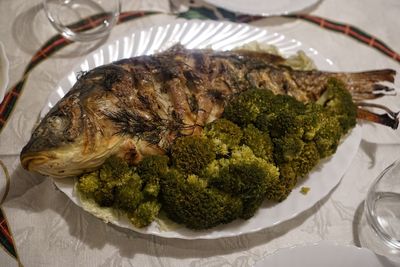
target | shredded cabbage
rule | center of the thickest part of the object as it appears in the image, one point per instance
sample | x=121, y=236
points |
x=298, y=61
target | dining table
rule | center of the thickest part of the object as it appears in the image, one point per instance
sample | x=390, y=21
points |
x=42, y=226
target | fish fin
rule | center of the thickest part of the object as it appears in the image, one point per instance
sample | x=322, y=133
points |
x=383, y=119
x=384, y=75
x=268, y=57
x=178, y=47
x=374, y=76
x=368, y=84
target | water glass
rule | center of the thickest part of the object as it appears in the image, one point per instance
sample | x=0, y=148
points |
x=82, y=20
x=382, y=211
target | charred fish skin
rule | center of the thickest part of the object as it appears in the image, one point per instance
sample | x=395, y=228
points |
x=138, y=106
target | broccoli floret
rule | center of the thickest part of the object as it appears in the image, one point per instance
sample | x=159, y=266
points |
x=89, y=183
x=245, y=176
x=247, y=106
x=337, y=100
x=249, y=181
x=259, y=141
x=129, y=195
x=282, y=110
x=191, y=154
x=152, y=166
x=114, y=172
x=286, y=104
x=280, y=190
x=118, y=185
x=152, y=189
x=224, y=134
x=144, y=214
x=311, y=120
x=290, y=170
x=328, y=136
x=104, y=196
x=150, y=169
x=295, y=152
x=287, y=148
x=307, y=159
x=189, y=201
x=281, y=123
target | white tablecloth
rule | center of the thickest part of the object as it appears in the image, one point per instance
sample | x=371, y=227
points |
x=49, y=230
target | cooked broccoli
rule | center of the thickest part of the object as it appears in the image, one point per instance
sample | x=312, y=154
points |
x=247, y=106
x=282, y=187
x=118, y=185
x=328, y=136
x=249, y=181
x=189, y=201
x=113, y=173
x=145, y=213
x=224, y=134
x=245, y=176
x=152, y=166
x=337, y=100
x=287, y=148
x=260, y=142
x=281, y=122
x=129, y=195
x=295, y=157
x=286, y=103
x=292, y=126
x=89, y=183
x=293, y=169
x=149, y=169
x=311, y=120
x=307, y=160
x=191, y=154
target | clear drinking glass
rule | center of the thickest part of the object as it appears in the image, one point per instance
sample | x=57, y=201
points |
x=382, y=212
x=67, y=17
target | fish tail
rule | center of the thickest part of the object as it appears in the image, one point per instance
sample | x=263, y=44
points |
x=383, y=119
x=384, y=75
x=369, y=84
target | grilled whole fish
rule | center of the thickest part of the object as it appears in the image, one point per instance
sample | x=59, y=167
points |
x=137, y=106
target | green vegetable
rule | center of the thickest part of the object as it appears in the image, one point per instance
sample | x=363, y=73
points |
x=304, y=190
x=287, y=148
x=118, y=185
x=339, y=103
x=145, y=213
x=245, y=176
x=190, y=154
x=129, y=195
x=328, y=136
x=152, y=166
x=224, y=134
x=89, y=183
x=286, y=104
x=247, y=106
x=150, y=169
x=259, y=142
x=189, y=201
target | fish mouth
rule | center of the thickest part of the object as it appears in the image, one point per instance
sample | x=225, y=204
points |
x=34, y=161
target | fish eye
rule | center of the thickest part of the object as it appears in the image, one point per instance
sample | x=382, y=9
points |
x=56, y=123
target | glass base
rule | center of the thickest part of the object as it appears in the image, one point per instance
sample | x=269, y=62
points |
x=66, y=16
x=371, y=240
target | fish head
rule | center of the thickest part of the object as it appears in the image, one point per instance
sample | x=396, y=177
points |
x=55, y=138
x=65, y=143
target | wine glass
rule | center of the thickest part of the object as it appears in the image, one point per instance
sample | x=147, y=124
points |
x=82, y=20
